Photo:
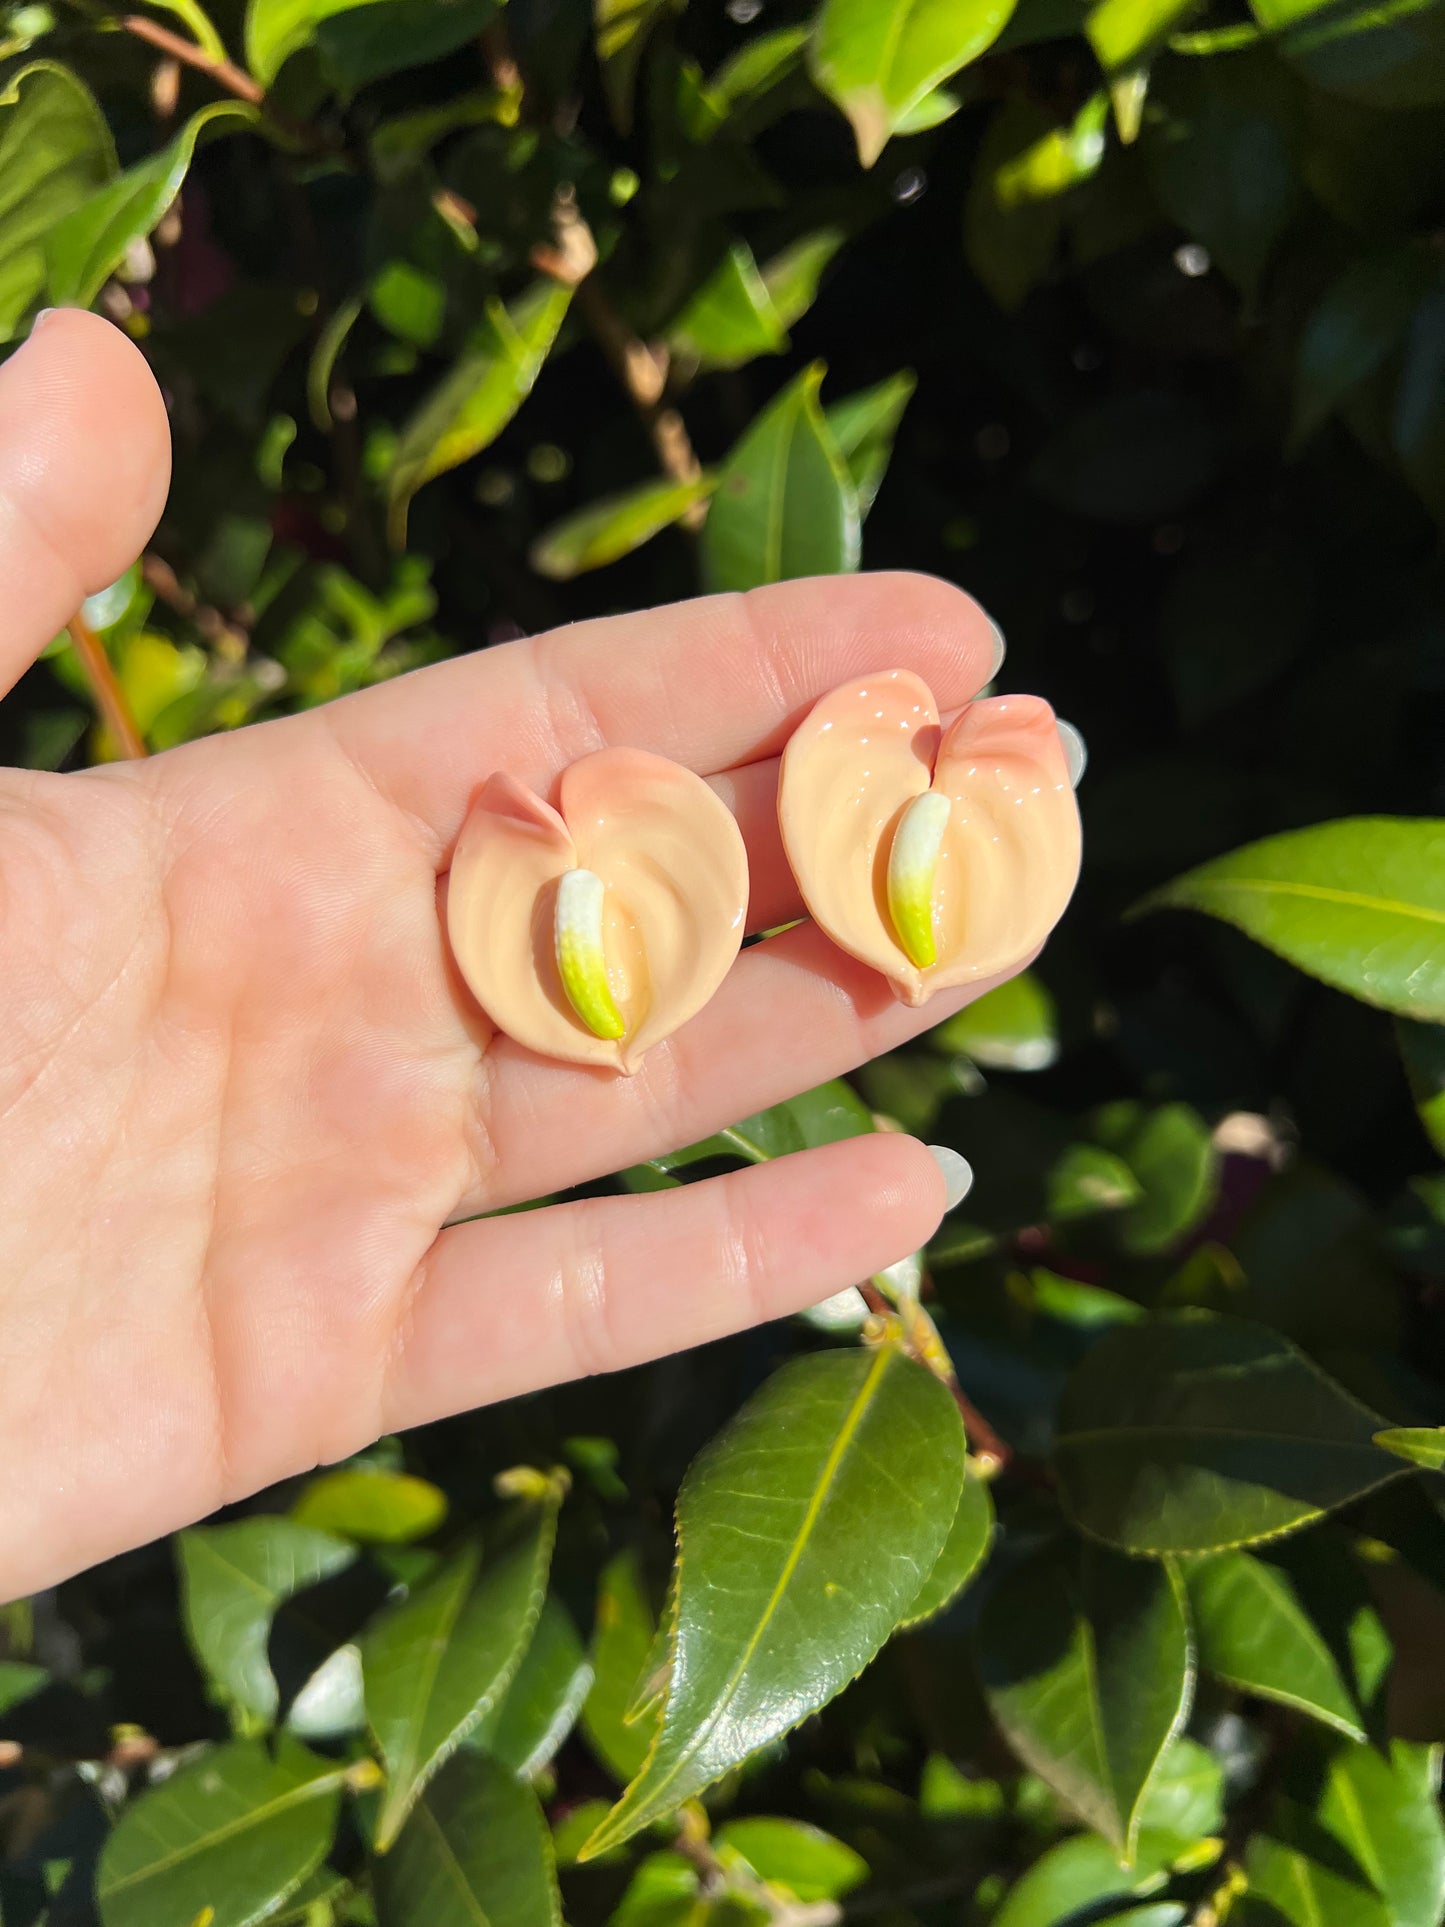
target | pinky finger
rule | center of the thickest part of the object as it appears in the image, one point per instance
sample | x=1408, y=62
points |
x=507, y=1305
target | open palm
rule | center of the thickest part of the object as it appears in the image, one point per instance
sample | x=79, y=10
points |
x=244, y=1098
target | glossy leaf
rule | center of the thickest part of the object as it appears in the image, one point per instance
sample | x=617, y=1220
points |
x=731, y=318
x=622, y=1640
x=787, y=1499
x=1421, y=1444
x=1013, y=1028
x=1359, y=903
x=1422, y=1047
x=373, y=1506
x=84, y=248
x=785, y=503
x=758, y=65
x=809, y=1863
x=1169, y=1151
x=227, y=1838
x=233, y=1579
x=1307, y=1888
x=1121, y=32
x=475, y=1852
x=963, y=1554
x=544, y=1699
x=1066, y=1882
x=1194, y=1433
x=55, y=153
x=1384, y=1809
x=877, y=59
x=606, y=530
x=1088, y=1669
x=478, y=396
x=791, y=277
x=438, y=1661
x=1254, y=1633
x=360, y=40
x=863, y=427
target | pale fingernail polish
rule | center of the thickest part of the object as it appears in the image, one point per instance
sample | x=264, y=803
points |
x=957, y=1173
x=42, y=315
x=1076, y=755
x=1000, y=649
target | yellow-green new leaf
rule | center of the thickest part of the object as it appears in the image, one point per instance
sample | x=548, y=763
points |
x=731, y=319
x=436, y=1664
x=1359, y=903
x=877, y=59
x=474, y=401
x=372, y=1506
x=227, y=1839
x=1420, y=1444
x=605, y=531
x=55, y=152
x=825, y=1503
x=90, y=243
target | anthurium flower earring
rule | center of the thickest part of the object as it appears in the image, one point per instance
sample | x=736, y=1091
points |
x=592, y=931
x=937, y=856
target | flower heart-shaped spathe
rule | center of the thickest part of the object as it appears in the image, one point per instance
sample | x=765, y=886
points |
x=949, y=891
x=592, y=931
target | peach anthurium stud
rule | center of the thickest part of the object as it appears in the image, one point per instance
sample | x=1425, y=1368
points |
x=592, y=931
x=937, y=856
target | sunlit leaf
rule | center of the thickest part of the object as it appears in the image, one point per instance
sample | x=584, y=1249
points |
x=731, y=319
x=606, y=530
x=55, y=153
x=809, y=1863
x=787, y=1500
x=1420, y=1444
x=229, y=1837
x=1308, y=1887
x=1359, y=903
x=863, y=427
x=373, y=1506
x=1013, y=1028
x=791, y=277
x=785, y=504
x=1194, y=1433
x=1384, y=1809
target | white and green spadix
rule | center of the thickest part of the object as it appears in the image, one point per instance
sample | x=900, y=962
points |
x=592, y=931
x=937, y=856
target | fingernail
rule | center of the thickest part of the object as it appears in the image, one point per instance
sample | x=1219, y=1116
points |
x=42, y=315
x=1076, y=754
x=1000, y=649
x=957, y=1173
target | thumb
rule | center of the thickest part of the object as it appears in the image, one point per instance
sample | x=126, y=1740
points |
x=85, y=462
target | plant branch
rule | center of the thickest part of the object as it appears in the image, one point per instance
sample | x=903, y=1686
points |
x=225, y=73
x=110, y=698
x=991, y=1454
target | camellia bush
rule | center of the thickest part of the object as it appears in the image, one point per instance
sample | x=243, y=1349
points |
x=1090, y=1566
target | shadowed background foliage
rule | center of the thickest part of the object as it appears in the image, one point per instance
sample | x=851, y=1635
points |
x=474, y=319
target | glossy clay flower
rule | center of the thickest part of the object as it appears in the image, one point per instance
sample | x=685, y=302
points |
x=937, y=856
x=592, y=931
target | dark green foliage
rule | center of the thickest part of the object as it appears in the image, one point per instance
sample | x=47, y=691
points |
x=1130, y=318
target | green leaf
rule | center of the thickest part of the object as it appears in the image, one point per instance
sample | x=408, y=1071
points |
x=877, y=59
x=1123, y=32
x=1306, y=1889
x=964, y=1551
x=361, y=40
x=55, y=152
x=477, y=397
x=375, y=1507
x=1010, y=242
x=758, y=65
x=1194, y=1433
x=1360, y=321
x=785, y=503
x=622, y=27
x=1359, y=903
x=1087, y=1180
x=1013, y=1028
x=791, y=277
x=1390, y=55
x=202, y=29
x=614, y=527
x=811, y=1864
x=437, y=1662
x=1088, y=1670
x=731, y=319
x=1254, y=1633
x=1057, y=160
x=1385, y=1811
x=1072, y=1302
x=229, y=1837
x=1420, y=1444
x=1184, y=1801
x=543, y=1701
x=84, y=248
x=1170, y=1153
x=1422, y=1048
x=1065, y=1882
x=840, y=1458
x=19, y=1682
x=622, y=1638
x=233, y=1579
x=863, y=427
x=475, y=1852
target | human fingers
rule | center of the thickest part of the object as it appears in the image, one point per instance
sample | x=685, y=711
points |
x=84, y=468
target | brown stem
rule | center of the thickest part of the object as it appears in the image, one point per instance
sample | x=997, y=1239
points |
x=990, y=1453
x=110, y=698
x=225, y=73
x=642, y=371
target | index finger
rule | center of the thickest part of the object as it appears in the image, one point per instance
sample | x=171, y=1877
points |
x=715, y=683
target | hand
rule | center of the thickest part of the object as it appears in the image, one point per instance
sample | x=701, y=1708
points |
x=243, y=1094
